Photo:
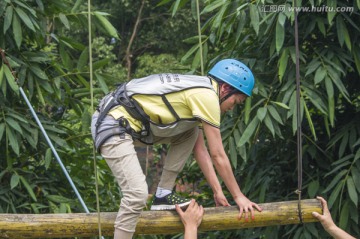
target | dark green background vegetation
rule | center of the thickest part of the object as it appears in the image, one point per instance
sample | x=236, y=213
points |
x=46, y=43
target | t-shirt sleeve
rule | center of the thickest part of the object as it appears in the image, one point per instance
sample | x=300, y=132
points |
x=205, y=106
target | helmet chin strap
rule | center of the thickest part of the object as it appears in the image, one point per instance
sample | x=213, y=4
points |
x=227, y=96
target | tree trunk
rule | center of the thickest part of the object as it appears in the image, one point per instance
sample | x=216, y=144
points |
x=151, y=222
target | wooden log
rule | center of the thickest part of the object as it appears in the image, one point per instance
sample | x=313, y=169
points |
x=151, y=222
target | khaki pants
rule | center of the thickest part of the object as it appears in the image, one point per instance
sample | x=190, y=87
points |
x=122, y=159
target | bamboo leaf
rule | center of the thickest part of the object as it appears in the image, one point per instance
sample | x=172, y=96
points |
x=275, y=114
x=331, y=14
x=247, y=110
x=12, y=140
x=281, y=104
x=2, y=130
x=48, y=158
x=254, y=16
x=25, y=18
x=8, y=18
x=309, y=119
x=269, y=125
x=77, y=5
x=313, y=188
x=25, y=6
x=211, y=7
x=283, y=61
x=356, y=56
x=319, y=75
x=261, y=113
x=335, y=194
x=17, y=31
x=1, y=74
x=316, y=100
x=11, y=80
x=312, y=66
x=355, y=173
x=175, y=7
x=335, y=181
x=102, y=83
x=280, y=32
x=233, y=153
x=109, y=28
x=14, y=181
x=58, y=199
x=83, y=59
x=321, y=26
x=64, y=20
x=39, y=93
x=13, y=124
x=38, y=72
x=344, y=216
x=342, y=31
x=352, y=191
x=339, y=25
x=248, y=132
x=40, y=4
x=28, y=188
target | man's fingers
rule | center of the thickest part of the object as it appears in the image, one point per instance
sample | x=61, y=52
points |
x=257, y=207
x=246, y=214
x=240, y=214
x=315, y=214
x=179, y=210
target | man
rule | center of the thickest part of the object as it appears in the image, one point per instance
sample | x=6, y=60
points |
x=175, y=109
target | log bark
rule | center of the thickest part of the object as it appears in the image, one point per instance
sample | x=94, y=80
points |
x=152, y=222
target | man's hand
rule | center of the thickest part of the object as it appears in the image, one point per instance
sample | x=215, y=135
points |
x=191, y=218
x=220, y=199
x=246, y=207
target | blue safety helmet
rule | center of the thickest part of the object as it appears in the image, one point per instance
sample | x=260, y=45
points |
x=234, y=73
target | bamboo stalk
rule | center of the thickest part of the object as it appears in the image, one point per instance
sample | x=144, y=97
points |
x=151, y=222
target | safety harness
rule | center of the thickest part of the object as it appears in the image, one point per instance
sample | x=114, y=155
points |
x=157, y=85
x=114, y=99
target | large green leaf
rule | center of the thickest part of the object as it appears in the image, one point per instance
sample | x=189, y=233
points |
x=25, y=18
x=109, y=28
x=280, y=31
x=15, y=179
x=28, y=188
x=17, y=31
x=249, y=131
x=233, y=152
x=352, y=190
x=261, y=113
x=254, y=16
x=11, y=80
x=335, y=181
x=8, y=18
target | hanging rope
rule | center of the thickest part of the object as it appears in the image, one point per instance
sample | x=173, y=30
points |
x=5, y=61
x=199, y=34
x=298, y=114
x=92, y=110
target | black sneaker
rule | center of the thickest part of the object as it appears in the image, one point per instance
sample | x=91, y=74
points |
x=168, y=202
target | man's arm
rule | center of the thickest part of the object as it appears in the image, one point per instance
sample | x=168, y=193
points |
x=329, y=224
x=223, y=167
x=204, y=161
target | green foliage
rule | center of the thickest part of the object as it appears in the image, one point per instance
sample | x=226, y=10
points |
x=151, y=64
x=259, y=136
x=47, y=46
x=52, y=68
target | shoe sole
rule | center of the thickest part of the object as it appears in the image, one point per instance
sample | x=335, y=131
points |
x=164, y=207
